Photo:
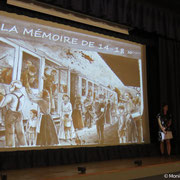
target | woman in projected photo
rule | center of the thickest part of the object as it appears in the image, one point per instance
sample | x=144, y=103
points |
x=165, y=131
x=77, y=113
x=89, y=110
x=100, y=120
x=47, y=135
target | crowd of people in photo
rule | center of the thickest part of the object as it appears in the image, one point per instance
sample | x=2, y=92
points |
x=84, y=113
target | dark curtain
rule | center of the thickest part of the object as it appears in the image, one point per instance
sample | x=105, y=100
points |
x=153, y=86
x=163, y=84
x=169, y=64
x=54, y=157
x=137, y=14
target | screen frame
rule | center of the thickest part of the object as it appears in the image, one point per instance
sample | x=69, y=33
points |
x=56, y=25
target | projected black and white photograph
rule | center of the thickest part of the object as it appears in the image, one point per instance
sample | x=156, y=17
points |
x=59, y=95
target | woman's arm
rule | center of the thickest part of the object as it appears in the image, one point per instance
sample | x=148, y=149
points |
x=160, y=125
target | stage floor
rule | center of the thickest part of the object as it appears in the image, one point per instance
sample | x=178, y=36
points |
x=156, y=167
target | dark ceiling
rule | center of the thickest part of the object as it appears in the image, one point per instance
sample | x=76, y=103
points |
x=170, y=5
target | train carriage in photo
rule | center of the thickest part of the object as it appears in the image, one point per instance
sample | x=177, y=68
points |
x=37, y=70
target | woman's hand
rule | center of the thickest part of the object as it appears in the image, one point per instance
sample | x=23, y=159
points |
x=164, y=130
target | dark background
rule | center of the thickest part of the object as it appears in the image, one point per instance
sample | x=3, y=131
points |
x=155, y=23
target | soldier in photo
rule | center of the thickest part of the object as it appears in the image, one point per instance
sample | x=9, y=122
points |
x=122, y=124
x=137, y=116
x=89, y=110
x=131, y=125
x=100, y=119
x=14, y=102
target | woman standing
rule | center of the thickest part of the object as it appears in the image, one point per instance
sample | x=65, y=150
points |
x=165, y=133
x=77, y=114
x=47, y=131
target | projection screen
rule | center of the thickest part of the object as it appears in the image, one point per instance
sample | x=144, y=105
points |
x=65, y=87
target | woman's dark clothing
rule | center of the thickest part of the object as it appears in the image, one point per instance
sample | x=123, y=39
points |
x=77, y=115
x=47, y=135
x=165, y=120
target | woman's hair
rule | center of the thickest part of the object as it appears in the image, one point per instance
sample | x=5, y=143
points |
x=162, y=106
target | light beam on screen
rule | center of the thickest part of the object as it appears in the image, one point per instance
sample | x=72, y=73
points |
x=86, y=90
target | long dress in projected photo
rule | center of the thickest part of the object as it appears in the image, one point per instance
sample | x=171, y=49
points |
x=60, y=96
